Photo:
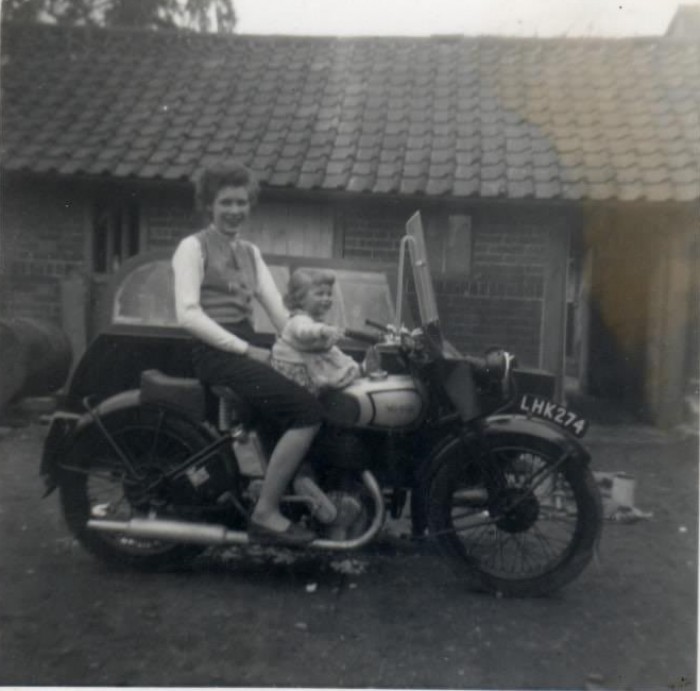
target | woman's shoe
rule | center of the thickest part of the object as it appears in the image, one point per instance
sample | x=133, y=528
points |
x=293, y=534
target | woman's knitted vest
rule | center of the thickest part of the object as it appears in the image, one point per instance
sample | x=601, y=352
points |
x=230, y=277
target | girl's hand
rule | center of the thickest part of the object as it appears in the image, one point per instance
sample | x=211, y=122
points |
x=259, y=354
x=331, y=334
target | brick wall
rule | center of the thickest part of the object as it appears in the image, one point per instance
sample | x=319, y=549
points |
x=498, y=299
x=42, y=242
x=167, y=218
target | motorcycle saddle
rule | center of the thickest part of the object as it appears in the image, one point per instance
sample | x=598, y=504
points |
x=180, y=392
x=190, y=395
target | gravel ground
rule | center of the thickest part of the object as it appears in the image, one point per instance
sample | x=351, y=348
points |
x=392, y=616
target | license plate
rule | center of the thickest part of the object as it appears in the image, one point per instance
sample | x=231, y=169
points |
x=534, y=406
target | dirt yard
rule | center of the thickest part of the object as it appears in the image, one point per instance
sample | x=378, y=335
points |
x=390, y=617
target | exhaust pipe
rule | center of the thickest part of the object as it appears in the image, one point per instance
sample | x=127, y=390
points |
x=211, y=534
x=171, y=531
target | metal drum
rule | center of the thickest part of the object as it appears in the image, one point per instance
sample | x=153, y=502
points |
x=35, y=358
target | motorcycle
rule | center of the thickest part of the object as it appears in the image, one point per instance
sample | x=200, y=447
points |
x=151, y=476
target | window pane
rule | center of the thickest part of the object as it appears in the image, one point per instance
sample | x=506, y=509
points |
x=146, y=296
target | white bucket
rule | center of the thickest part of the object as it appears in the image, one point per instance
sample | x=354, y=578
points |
x=622, y=492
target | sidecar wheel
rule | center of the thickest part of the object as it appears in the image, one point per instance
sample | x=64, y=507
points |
x=505, y=533
x=92, y=484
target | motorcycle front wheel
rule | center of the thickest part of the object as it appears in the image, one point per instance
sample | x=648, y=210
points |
x=521, y=522
x=95, y=484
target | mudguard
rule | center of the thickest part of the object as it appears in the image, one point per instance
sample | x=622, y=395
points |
x=66, y=426
x=517, y=429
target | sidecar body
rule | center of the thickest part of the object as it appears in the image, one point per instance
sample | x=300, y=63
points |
x=140, y=329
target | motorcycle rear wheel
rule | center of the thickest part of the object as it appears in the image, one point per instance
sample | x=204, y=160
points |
x=94, y=484
x=504, y=532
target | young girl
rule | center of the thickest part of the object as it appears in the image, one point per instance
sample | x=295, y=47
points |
x=305, y=351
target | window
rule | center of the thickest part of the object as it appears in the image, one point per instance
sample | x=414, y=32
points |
x=449, y=241
x=115, y=235
x=145, y=296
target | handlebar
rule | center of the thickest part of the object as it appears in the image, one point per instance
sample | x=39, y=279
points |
x=363, y=336
x=381, y=327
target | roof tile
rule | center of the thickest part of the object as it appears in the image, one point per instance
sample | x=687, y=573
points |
x=686, y=176
x=386, y=185
x=518, y=174
x=442, y=155
x=411, y=185
x=547, y=189
x=440, y=170
x=360, y=183
x=438, y=187
x=573, y=190
x=660, y=192
x=519, y=189
x=653, y=177
x=310, y=180
x=335, y=181
x=492, y=188
x=467, y=172
x=602, y=190
x=630, y=192
x=687, y=192
x=550, y=119
x=466, y=187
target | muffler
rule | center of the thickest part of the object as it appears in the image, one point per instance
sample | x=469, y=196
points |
x=171, y=531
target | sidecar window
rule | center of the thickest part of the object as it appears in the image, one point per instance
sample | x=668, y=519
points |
x=357, y=295
x=146, y=296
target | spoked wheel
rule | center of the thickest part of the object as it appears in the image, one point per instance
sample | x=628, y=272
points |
x=96, y=484
x=525, y=526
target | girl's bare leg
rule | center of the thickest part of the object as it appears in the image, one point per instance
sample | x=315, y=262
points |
x=285, y=459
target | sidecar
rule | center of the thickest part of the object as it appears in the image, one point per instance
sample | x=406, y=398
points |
x=141, y=330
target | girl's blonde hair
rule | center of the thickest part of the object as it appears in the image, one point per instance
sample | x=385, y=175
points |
x=301, y=281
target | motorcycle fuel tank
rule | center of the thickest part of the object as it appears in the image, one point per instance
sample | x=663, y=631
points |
x=396, y=402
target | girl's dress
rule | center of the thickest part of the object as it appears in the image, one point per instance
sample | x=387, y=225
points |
x=305, y=355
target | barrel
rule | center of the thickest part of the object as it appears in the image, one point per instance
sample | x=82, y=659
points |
x=35, y=358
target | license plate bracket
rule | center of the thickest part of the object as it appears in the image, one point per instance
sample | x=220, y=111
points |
x=544, y=409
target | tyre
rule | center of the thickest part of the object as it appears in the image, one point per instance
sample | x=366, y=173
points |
x=94, y=483
x=518, y=524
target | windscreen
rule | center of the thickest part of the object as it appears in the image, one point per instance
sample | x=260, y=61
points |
x=425, y=295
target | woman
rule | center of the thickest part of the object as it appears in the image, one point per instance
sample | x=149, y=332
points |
x=217, y=275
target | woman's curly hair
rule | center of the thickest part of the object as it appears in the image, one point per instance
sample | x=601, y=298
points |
x=301, y=281
x=210, y=180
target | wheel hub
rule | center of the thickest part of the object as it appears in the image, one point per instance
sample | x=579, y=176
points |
x=515, y=509
x=145, y=492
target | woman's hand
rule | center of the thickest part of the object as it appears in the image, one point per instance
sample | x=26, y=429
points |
x=259, y=354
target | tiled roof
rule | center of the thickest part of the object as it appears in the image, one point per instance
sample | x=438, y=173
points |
x=466, y=117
